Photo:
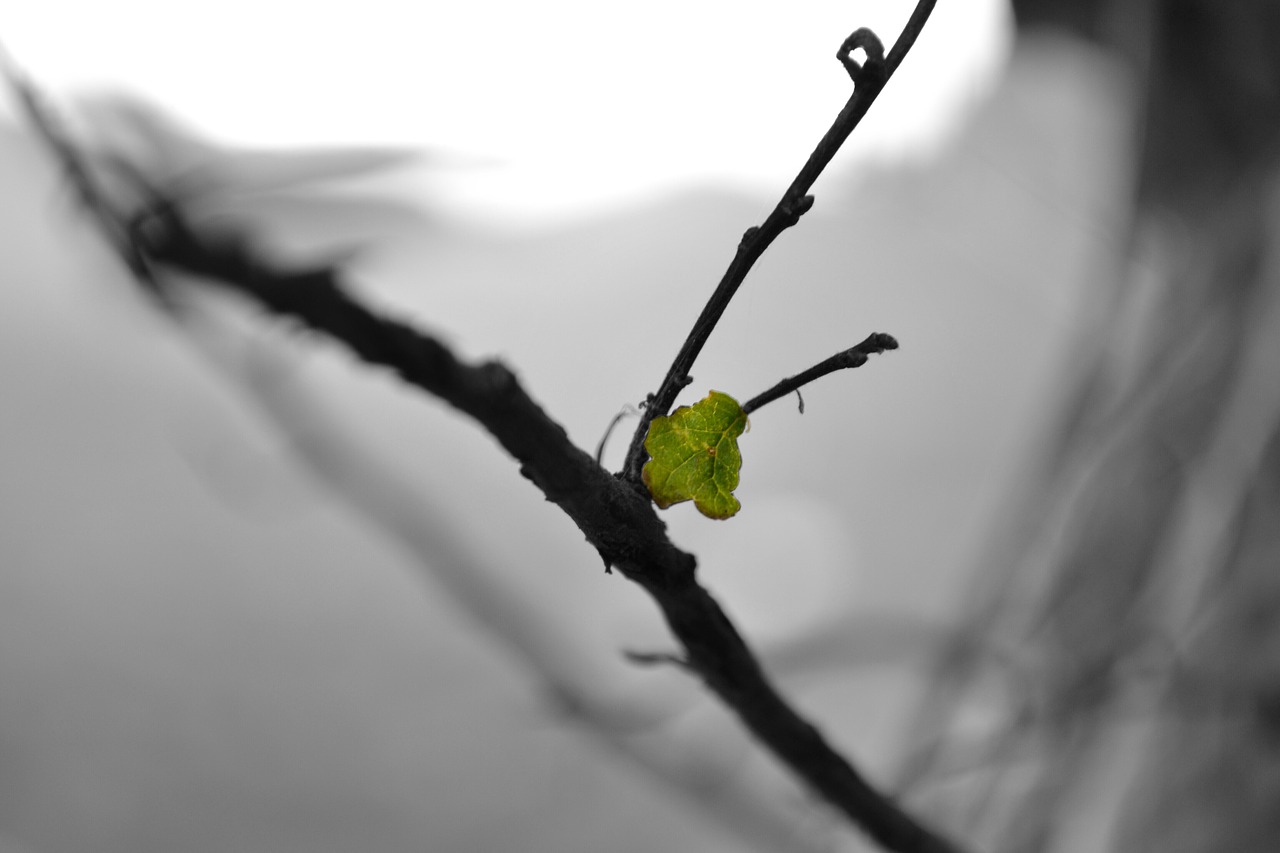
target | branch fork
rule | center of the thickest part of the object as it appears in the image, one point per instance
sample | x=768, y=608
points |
x=869, y=78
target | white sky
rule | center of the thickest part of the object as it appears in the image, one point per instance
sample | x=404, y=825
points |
x=556, y=105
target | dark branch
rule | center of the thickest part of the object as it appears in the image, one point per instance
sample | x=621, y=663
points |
x=852, y=357
x=618, y=519
x=907, y=40
x=869, y=79
x=51, y=133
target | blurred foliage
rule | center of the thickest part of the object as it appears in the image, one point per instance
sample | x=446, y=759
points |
x=1133, y=589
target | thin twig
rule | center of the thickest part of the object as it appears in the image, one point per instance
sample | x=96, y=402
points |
x=878, y=342
x=608, y=431
x=869, y=79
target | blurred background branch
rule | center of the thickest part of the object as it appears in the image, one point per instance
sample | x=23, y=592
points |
x=1135, y=559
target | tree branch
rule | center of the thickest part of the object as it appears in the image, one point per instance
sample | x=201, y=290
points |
x=563, y=668
x=618, y=520
x=878, y=342
x=869, y=78
x=615, y=515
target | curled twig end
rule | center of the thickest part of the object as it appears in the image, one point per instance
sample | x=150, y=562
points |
x=869, y=43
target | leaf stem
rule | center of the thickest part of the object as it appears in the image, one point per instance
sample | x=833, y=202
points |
x=869, y=79
x=857, y=356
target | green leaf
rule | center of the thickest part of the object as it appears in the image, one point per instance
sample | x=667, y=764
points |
x=693, y=455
